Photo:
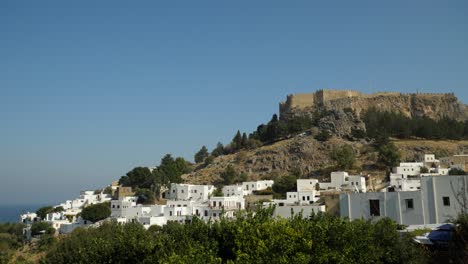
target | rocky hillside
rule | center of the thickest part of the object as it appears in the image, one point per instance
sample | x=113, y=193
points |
x=312, y=158
x=338, y=112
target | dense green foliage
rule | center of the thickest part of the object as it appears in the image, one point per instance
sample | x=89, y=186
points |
x=344, y=157
x=169, y=171
x=11, y=238
x=96, y=212
x=456, y=171
x=139, y=177
x=323, y=135
x=43, y=211
x=39, y=228
x=248, y=239
x=458, y=250
x=285, y=184
x=201, y=155
x=277, y=129
x=397, y=125
x=145, y=196
x=389, y=156
x=229, y=175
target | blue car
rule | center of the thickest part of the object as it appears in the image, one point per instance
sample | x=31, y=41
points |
x=440, y=237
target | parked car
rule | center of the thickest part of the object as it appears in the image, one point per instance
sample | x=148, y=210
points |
x=438, y=238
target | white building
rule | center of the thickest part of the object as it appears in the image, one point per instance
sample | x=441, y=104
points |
x=233, y=190
x=126, y=210
x=400, y=182
x=408, y=168
x=190, y=192
x=304, y=200
x=440, y=198
x=341, y=180
x=249, y=187
x=406, y=177
x=29, y=218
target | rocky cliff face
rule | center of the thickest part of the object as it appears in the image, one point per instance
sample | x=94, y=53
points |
x=434, y=106
x=305, y=155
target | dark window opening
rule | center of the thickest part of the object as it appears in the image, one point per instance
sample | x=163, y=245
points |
x=409, y=204
x=446, y=200
x=374, y=206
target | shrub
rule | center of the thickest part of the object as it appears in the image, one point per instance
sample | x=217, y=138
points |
x=96, y=212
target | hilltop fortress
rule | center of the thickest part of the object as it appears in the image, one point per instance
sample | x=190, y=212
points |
x=434, y=106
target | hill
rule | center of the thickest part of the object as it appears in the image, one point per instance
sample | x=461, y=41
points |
x=290, y=145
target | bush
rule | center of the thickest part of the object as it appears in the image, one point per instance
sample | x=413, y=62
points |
x=389, y=155
x=343, y=156
x=456, y=171
x=96, y=212
x=323, y=136
x=39, y=228
x=250, y=238
x=285, y=184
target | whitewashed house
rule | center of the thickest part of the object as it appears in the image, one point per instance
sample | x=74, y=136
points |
x=29, y=218
x=440, y=198
x=233, y=190
x=249, y=187
x=190, y=192
x=406, y=177
x=187, y=201
x=304, y=200
x=341, y=180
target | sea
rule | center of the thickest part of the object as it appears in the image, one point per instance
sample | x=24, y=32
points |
x=11, y=213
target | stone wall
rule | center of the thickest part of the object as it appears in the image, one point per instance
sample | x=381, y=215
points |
x=434, y=106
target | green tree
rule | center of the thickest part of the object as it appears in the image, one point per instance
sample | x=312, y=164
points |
x=201, y=155
x=237, y=141
x=39, y=228
x=96, y=212
x=218, y=151
x=244, y=141
x=285, y=184
x=389, y=155
x=456, y=171
x=43, y=211
x=229, y=175
x=218, y=192
x=139, y=177
x=344, y=157
x=145, y=196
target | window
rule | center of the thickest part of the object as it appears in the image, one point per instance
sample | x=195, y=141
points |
x=308, y=198
x=182, y=191
x=374, y=207
x=206, y=213
x=196, y=212
x=446, y=200
x=170, y=213
x=214, y=214
x=113, y=206
x=303, y=198
x=409, y=204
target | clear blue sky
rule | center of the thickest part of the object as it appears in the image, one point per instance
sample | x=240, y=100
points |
x=91, y=89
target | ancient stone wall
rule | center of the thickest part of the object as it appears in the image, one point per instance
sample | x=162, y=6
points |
x=431, y=105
